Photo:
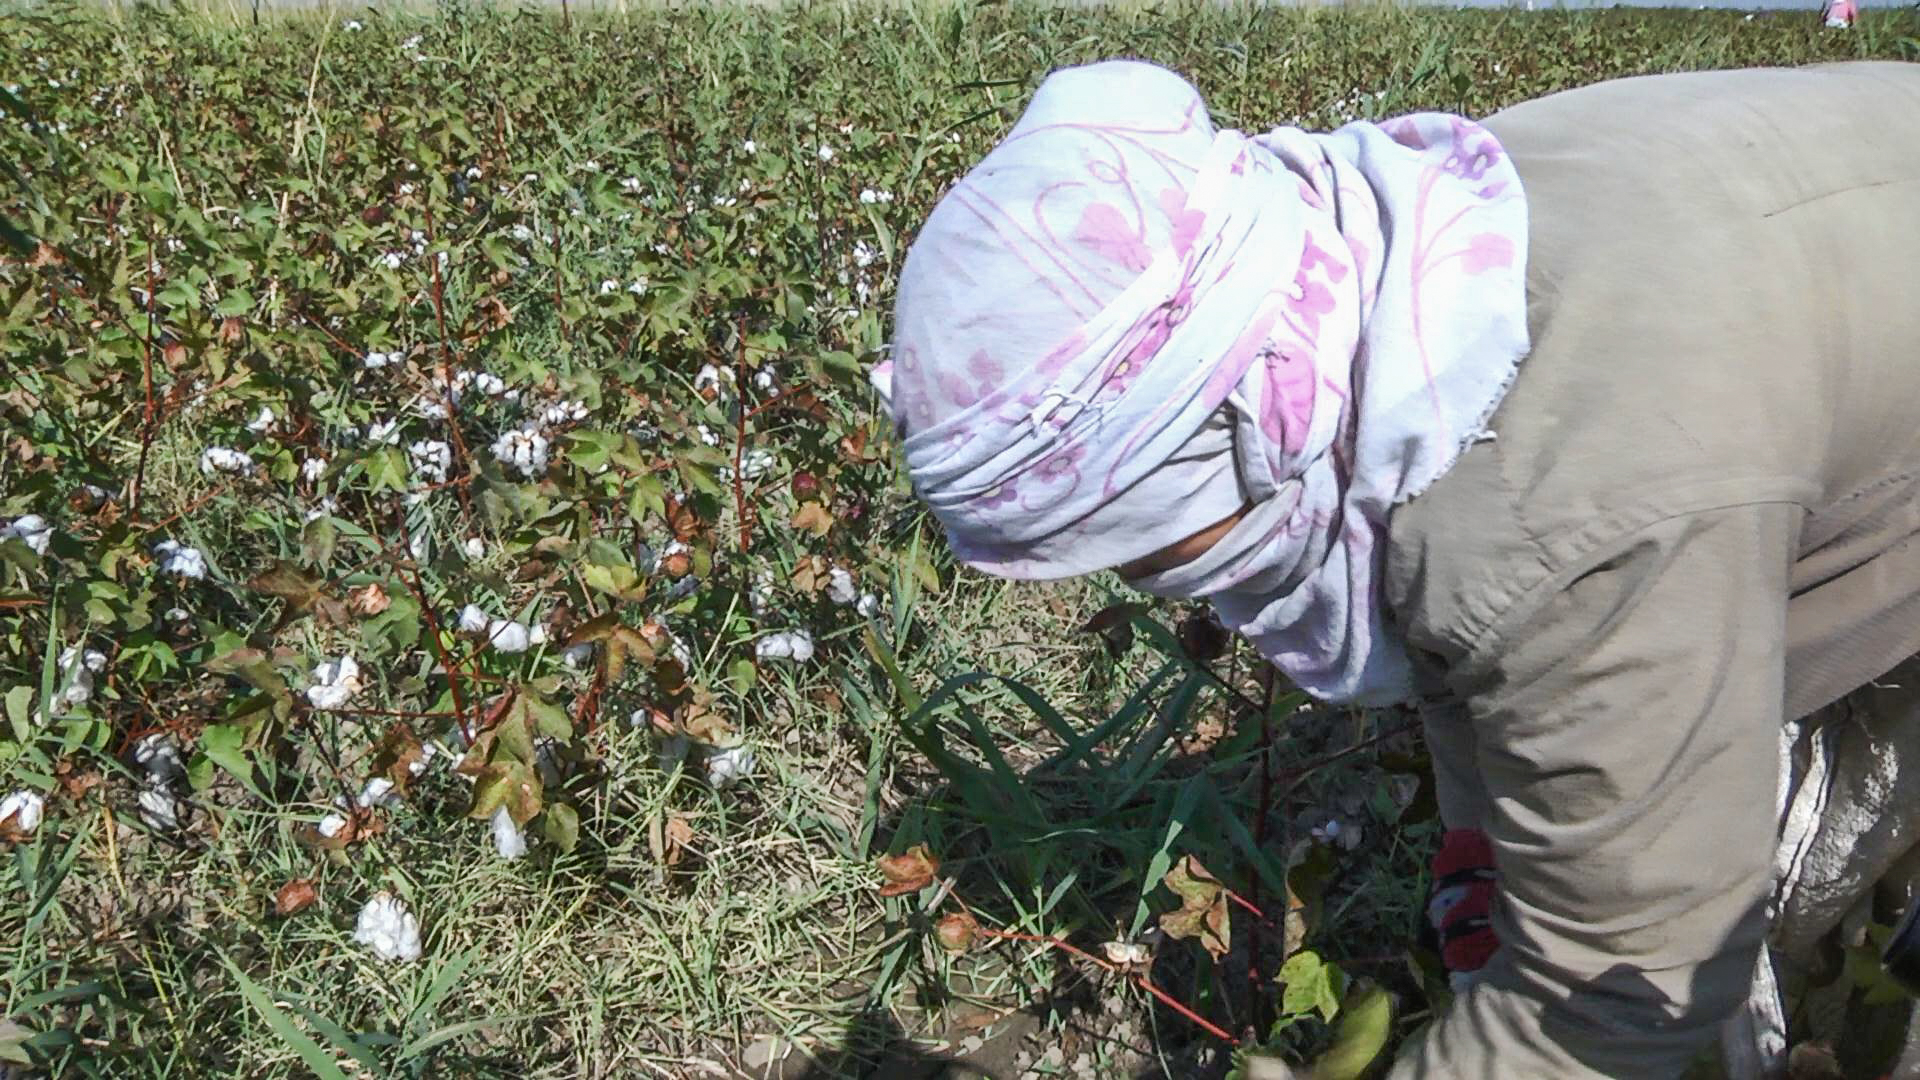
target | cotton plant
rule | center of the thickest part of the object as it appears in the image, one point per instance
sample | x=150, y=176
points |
x=389, y=929
x=502, y=635
x=31, y=530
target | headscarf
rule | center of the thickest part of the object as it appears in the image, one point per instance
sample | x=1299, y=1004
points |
x=1124, y=326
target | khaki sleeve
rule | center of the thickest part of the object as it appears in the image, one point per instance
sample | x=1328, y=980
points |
x=1626, y=729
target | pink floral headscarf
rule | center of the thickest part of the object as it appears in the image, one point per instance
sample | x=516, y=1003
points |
x=1124, y=325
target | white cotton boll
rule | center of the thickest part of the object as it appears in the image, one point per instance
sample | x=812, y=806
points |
x=262, y=423
x=756, y=463
x=78, y=667
x=375, y=360
x=474, y=547
x=392, y=260
x=840, y=587
x=707, y=436
x=388, y=928
x=508, y=637
x=324, y=508
x=160, y=809
x=489, y=384
x=410, y=44
x=577, y=656
x=27, y=808
x=826, y=152
x=868, y=605
x=864, y=254
x=420, y=544
x=707, y=378
x=312, y=469
x=766, y=380
x=377, y=792
x=225, y=459
x=795, y=645
x=352, y=25
x=160, y=757
x=609, y=286
x=524, y=451
x=180, y=560
x=630, y=185
x=331, y=825
x=728, y=767
x=760, y=595
x=749, y=147
x=384, y=431
x=637, y=287
x=31, y=530
x=432, y=459
x=564, y=412
x=335, y=683
x=473, y=620
x=177, y=614
x=508, y=839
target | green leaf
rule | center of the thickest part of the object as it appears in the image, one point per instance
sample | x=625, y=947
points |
x=237, y=302
x=1366, y=1022
x=561, y=824
x=1312, y=985
x=20, y=713
x=387, y=469
x=617, y=579
x=317, y=1059
x=223, y=745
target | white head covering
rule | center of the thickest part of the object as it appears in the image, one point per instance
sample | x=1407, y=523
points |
x=1123, y=326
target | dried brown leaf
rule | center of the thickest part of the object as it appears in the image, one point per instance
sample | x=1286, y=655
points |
x=294, y=897
x=369, y=599
x=814, y=518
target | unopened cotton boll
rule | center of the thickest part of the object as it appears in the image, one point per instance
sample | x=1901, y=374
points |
x=508, y=839
x=225, y=459
x=180, y=560
x=728, y=767
x=31, y=530
x=840, y=587
x=26, y=808
x=388, y=928
x=795, y=645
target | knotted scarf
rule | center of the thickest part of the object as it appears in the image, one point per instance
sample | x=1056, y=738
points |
x=1125, y=325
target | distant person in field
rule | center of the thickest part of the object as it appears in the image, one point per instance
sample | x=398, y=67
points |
x=1592, y=430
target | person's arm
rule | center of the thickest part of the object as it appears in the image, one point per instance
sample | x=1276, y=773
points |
x=1627, y=732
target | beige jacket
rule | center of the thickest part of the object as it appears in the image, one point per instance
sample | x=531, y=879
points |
x=1700, y=518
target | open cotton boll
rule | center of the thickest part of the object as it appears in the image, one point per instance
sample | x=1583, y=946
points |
x=331, y=825
x=31, y=530
x=508, y=839
x=335, y=683
x=377, y=792
x=523, y=450
x=160, y=809
x=160, y=757
x=180, y=560
x=730, y=766
x=868, y=605
x=388, y=928
x=79, y=666
x=262, y=423
x=225, y=459
x=840, y=587
x=502, y=634
x=795, y=645
x=26, y=808
x=577, y=656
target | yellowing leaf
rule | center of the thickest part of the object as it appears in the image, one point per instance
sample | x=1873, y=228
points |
x=1202, y=915
x=1312, y=985
x=1366, y=1022
x=813, y=518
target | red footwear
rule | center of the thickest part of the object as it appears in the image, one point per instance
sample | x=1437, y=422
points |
x=1461, y=904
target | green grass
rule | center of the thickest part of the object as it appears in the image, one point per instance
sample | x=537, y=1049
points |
x=271, y=173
